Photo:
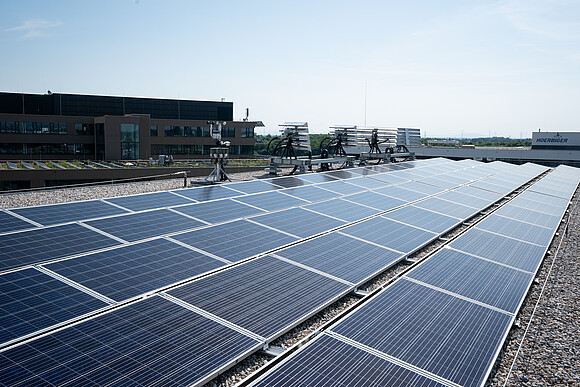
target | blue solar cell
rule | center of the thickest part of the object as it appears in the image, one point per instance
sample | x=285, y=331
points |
x=12, y=223
x=475, y=278
x=271, y=201
x=311, y=193
x=445, y=335
x=342, y=174
x=299, y=222
x=389, y=233
x=219, y=210
x=514, y=228
x=396, y=191
x=235, y=240
x=35, y=246
x=527, y=215
x=342, y=256
x=149, y=201
x=497, y=248
x=342, y=187
x=327, y=361
x=68, y=212
x=254, y=186
x=446, y=207
x=265, y=296
x=389, y=178
x=343, y=209
x=153, y=341
x=135, y=269
x=421, y=187
x=143, y=225
x=466, y=200
x=437, y=181
x=367, y=182
x=483, y=184
x=316, y=177
x=538, y=197
x=533, y=205
x=364, y=171
x=31, y=301
x=203, y=194
x=375, y=200
x=422, y=218
x=479, y=193
x=287, y=182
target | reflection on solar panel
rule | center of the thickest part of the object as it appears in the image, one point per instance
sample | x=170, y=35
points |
x=388, y=233
x=343, y=209
x=475, y=278
x=367, y=182
x=513, y=228
x=299, y=222
x=34, y=246
x=236, y=240
x=396, y=191
x=149, y=201
x=342, y=187
x=466, y=200
x=547, y=199
x=218, y=211
x=471, y=333
x=447, y=207
x=421, y=187
x=436, y=182
x=12, y=223
x=533, y=205
x=479, y=193
x=288, y=182
x=317, y=178
x=389, y=178
x=311, y=193
x=153, y=341
x=342, y=256
x=32, y=301
x=145, y=225
x=264, y=296
x=327, y=361
x=375, y=200
x=483, y=184
x=342, y=174
x=68, y=212
x=135, y=269
x=528, y=215
x=254, y=186
x=497, y=248
x=203, y=194
x=425, y=219
x=271, y=201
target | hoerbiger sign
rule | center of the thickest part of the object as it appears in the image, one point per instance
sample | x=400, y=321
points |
x=555, y=140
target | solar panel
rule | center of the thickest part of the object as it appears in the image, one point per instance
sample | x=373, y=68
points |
x=492, y=187
x=444, y=184
x=32, y=301
x=466, y=200
x=153, y=341
x=547, y=199
x=34, y=246
x=530, y=216
x=203, y=194
x=375, y=200
x=479, y=193
x=389, y=178
x=364, y=171
x=288, y=182
x=516, y=229
x=421, y=187
x=388, y=233
x=316, y=177
x=218, y=211
x=446, y=207
x=311, y=193
x=68, y=212
x=450, y=337
x=424, y=219
x=343, y=209
x=327, y=361
x=254, y=186
x=265, y=296
x=342, y=187
x=136, y=269
x=271, y=201
x=497, y=248
x=149, y=201
x=533, y=205
x=143, y=225
x=235, y=240
x=12, y=223
x=367, y=182
x=299, y=222
x=474, y=278
x=398, y=192
x=342, y=174
x=342, y=256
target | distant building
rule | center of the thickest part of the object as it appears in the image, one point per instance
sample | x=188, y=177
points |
x=556, y=140
x=71, y=126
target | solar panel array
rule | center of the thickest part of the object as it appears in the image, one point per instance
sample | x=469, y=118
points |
x=443, y=322
x=234, y=266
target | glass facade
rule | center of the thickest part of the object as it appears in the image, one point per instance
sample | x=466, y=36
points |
x=79, y=150
x=186, y=131
x=84, y=129
x=32, y=127
x=247, y=133
x=129, y=141
x=154, y=130
x=228, y=132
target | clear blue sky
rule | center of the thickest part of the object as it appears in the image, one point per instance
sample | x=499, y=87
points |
x=503, y=68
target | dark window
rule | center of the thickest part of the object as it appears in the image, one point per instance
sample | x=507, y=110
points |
x=154, y=130
x=247, y=132
x=129, y=141
x=228, y=131
x=84, y=129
